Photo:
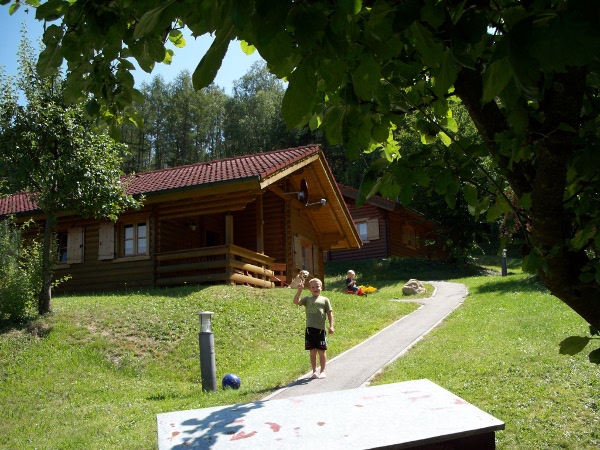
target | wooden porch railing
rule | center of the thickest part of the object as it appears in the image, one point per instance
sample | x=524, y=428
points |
x=223, y=263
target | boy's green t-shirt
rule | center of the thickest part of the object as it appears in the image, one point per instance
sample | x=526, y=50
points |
x=316, y=311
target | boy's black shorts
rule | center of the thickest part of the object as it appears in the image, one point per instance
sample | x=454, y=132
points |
x=315, y=338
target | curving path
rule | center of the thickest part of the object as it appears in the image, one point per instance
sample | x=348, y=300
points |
x=357, y=366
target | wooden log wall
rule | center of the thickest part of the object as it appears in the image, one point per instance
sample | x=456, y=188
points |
x=107, y=275
x=275, y=236
x=376, y=248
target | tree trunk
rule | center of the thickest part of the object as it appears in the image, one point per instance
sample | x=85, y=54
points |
x=45, y=294
x=546, y=181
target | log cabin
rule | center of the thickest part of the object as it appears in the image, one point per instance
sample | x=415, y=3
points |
x=255, y=220
x=387, y=229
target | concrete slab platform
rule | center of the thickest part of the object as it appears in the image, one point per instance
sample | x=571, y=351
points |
x=399, y=415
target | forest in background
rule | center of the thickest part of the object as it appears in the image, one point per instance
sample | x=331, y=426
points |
x=183, y=126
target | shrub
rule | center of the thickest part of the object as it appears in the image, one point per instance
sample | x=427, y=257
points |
x=20, y=273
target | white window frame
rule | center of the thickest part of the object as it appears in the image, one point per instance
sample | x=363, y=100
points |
x=135, y=238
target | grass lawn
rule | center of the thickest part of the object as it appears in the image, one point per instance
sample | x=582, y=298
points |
x=95, y=373
x=500, y=352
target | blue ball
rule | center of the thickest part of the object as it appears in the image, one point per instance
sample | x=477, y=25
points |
x=231, y=381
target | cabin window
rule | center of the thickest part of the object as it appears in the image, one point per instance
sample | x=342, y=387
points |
x=70, y=246
x=368, y=229
x=409, y=236
x=362, y=230
x=63, y=239
x=135, y=239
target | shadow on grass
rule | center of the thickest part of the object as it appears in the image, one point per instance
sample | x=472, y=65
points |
x=392, y=271
x=510, y=284
x=34, y=326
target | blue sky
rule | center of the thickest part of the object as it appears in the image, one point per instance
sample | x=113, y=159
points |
x=235, y=65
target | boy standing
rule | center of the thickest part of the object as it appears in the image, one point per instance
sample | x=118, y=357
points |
x=317, y=309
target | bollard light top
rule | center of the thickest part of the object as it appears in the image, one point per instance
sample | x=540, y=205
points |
x=205, y=321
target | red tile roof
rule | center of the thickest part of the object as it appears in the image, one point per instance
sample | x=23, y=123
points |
x=257, y=166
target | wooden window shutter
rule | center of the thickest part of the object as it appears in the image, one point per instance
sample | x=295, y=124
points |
x=106, y=241
x=297, y=253
x=316, y=260
x=308, y=257
x=75, y=245
x=372, y=229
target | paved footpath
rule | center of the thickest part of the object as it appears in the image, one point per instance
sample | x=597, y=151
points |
x=357, y=366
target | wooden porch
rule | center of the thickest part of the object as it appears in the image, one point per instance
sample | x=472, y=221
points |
x=223, y=263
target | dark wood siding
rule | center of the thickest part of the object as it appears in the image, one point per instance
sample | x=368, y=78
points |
x=113, y=274
x=274, y=227
x=402, y=233
x=375, y=248
x=244, y=227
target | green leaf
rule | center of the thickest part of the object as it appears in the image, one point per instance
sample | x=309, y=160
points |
x=446, y=75
x=428, y=139
x=449, y=123
x=366, y=78
x=496, y=77
x=137, y=119
x=248, y=49
x=351, y=6
x=315, y=122
x=525, y=201
x=380, y=132
x=177, y=39
x=494, y=212
x=280, y=54
x=369, y=185
x=446, y=140
x=573, y=345
x=431, y=51
x=333, y=124
x=583, y=236
x=333, y=72
x=12, y=8
x=587, y=277
x=433, y=13
x=168, y=59
x=92, y=108
x=149, y=22
x=300, y=97
x=50, y=58
x=470, y=194
x=51, y=10
x=209, y=65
